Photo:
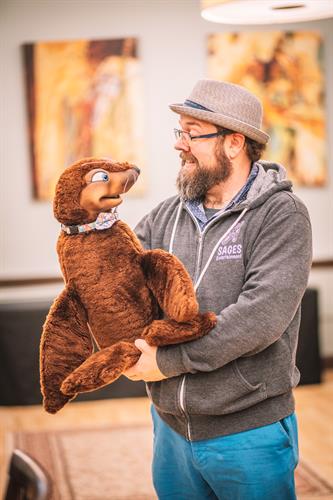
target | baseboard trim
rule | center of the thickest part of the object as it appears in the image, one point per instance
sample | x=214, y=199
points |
x=322, y=263
x=30, y=281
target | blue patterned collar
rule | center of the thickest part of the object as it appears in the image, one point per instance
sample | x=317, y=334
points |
x=104, y=221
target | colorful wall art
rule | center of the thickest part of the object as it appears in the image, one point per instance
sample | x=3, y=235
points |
x=285, y=70
x=85, y=98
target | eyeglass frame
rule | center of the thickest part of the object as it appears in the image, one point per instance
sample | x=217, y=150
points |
x=179, y=134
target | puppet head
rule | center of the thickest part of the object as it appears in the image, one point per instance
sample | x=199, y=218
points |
x=90, y=186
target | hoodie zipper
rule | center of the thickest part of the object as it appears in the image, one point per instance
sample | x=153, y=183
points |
x=197, y=264
x=182, y=406
x=183, y=381
x=181, y=397
x=181, y=393
x=197, y=276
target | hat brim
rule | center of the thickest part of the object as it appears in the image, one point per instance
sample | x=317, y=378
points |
x=223, y=121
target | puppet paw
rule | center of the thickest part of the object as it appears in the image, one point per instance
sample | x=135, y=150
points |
x=102, y=368
x=52, y=407
x=156, y=333
x=52, y=404
x=71, y=385
x=207, y=322
x=181, y=309
x=164, y=332
x=78, y=383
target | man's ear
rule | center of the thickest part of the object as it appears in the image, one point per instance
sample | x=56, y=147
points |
x=235, y=144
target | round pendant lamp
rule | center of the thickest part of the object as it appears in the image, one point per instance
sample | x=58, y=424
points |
x=265, y=11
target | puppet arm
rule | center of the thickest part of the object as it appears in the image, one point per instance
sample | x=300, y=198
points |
x=167, y=331
x=65, y=344
x=171, y=284
x=102, y=368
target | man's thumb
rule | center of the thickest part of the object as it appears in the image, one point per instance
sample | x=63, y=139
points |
x=141, y=345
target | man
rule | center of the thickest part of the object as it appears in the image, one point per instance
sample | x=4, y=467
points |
x=223, y=409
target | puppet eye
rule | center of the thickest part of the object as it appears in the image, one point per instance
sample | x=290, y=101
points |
x=100, y=177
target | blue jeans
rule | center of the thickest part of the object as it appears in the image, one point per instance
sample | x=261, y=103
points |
x=253, y=465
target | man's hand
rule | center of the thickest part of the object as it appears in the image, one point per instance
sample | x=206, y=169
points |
x=146, y=368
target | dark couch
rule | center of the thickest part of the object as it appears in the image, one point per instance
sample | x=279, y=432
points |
x=20, y=329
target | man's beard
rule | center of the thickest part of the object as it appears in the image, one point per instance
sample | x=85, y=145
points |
x=194, y=185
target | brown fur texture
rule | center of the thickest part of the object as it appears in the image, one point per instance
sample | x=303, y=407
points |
x=114, y=292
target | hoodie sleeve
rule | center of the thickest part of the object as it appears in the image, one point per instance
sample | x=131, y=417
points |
x=144, y=228
x=143, y=231
x=276, y=278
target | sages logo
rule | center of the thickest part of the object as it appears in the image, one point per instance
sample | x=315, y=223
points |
x=230, y=248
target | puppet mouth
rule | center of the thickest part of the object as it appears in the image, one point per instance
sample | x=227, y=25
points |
x=115, y=197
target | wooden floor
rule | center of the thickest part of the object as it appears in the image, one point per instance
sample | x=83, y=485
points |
x=314, y=407
x=314, y=410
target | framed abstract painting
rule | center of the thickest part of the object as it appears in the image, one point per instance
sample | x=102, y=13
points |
x=285, y=70
x=84, y=98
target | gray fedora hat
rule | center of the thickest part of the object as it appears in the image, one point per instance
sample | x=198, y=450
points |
x=226, y=104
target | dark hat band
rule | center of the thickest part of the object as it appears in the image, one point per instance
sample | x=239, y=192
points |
x=193, y=104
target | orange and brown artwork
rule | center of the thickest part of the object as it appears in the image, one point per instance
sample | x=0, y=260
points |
x=285, y=70
x=85, y=98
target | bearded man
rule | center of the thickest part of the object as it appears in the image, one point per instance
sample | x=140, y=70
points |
x=223, y=408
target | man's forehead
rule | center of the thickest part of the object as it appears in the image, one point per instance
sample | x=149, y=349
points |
x=190, y=121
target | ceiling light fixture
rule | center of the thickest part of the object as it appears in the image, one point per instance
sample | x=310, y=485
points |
x=265, y=11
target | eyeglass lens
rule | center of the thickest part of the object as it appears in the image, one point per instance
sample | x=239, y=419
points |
x=181, y=134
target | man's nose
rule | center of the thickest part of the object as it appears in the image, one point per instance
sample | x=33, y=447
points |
x=181, y=145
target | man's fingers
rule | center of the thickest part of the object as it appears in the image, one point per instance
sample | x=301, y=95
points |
x=133, y=373
x=132, y=376
x=141, y=345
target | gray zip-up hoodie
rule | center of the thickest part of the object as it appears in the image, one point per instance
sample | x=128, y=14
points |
x=240, y=376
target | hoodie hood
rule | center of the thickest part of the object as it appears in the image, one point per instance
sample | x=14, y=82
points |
x=271, y=178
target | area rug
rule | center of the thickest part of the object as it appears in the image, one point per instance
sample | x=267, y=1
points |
x=114, y=464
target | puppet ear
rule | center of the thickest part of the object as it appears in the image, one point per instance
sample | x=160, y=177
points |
x=66, y=203
x=171, y=285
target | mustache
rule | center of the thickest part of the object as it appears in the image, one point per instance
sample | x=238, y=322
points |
x=187, y=157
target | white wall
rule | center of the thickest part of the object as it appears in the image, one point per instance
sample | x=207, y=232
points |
x=172, y=47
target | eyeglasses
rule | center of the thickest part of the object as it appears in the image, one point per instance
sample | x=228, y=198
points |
x=187, y=137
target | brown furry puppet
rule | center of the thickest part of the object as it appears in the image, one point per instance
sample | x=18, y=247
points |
x=115, y=291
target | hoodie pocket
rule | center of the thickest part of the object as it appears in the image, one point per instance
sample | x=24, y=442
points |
x=222, y=392
x=164, y=395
